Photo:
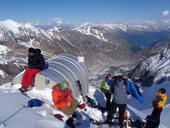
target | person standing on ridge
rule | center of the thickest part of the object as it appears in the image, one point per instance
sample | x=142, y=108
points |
x=106, y=88
x=122, y=87
x=36, y=63
x=158, y=102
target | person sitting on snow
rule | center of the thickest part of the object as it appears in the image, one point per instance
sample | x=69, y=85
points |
x=158, y=103
x=36, y=63
x=106, y=88
x=122, y=87
x=62, y=98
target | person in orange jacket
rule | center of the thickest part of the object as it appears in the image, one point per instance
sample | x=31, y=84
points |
x=62, y=98
x=158, y=102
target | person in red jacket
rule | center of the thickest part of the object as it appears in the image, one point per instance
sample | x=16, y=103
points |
x=62, y=98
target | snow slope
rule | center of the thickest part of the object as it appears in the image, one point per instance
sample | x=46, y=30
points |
x=14, y=112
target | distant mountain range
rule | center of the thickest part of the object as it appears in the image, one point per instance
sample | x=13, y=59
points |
x=100, y=44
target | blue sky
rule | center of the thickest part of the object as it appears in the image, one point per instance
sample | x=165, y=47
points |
x=97, y=11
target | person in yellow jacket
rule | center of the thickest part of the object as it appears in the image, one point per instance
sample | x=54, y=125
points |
x=158, y=103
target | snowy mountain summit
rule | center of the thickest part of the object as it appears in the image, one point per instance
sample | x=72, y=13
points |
x=11, y=25
x=17, y=28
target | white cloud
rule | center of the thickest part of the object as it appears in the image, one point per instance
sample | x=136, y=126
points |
x=54, y=21
x=152, y=22
x=57, y=21
x=165, y=13
x=167, y=21
x=148, y=22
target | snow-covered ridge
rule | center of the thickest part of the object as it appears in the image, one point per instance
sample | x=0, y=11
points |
x=14, y=27
x=84, y=28
x=121, y=27
x=2, y=36
x=115, y=27
x=97, y=30
x=159, y=65
x=21, y=29
x=90, y=29
x=3, y=49
x=10, y=25
x=54, y=29
x=25, y=30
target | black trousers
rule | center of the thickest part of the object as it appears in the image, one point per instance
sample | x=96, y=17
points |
x=108, y=97
x=112, y=110
x=156, y=113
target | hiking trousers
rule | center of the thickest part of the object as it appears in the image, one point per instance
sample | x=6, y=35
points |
x=108, y=98
x=70, y=110
x=112, y=110
x=156, y=113
x=28, y=76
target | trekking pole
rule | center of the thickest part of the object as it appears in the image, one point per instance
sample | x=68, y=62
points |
x=78, y=84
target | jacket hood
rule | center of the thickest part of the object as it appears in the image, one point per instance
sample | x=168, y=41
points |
x=38, y=51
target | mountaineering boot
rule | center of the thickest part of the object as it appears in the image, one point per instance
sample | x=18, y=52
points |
x=74, y=115
x=59, y=116
x=109, y=122
x=70, y=122
x=23, y=89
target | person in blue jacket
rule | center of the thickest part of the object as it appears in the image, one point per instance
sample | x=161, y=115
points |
x=121, y=88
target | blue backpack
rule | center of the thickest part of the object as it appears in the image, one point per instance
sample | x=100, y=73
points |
x=46, y=65
x=34, y=103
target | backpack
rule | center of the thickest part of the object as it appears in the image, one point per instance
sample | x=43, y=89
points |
x=46, y=65
x=90, y=102
x=136, y=86
x=156, y=101
x=125, y=82
x=34, y=103
x=104, y=87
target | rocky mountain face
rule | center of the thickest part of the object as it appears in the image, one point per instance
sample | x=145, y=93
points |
x=104, y=44
x=156, y=68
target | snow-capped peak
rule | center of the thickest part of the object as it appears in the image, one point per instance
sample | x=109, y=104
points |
x=10, y=25
x=54, y=29
x=13, y=26
x=9, y=22
x=28, y=25
x=121, y=27
x=90, y=29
